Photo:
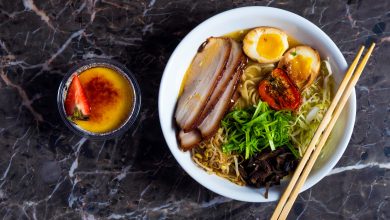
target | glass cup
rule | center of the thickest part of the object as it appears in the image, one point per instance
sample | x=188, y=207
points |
x=117, y=67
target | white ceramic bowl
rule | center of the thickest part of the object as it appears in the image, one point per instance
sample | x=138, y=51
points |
x=238, y=19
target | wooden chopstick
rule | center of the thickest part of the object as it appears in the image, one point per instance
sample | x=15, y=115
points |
x=325, y=135
x=327, y=123
x=317, y=134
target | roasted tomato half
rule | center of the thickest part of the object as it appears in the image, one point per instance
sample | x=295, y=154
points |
x=279, y=91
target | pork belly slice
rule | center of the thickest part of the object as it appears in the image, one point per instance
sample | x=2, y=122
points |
x=213, y=120
x=202, y=77
x=235, y=58
x=235, y=97
x=189, y=140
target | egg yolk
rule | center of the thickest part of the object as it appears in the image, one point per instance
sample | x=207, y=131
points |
x=270, y=46
x=301, y=65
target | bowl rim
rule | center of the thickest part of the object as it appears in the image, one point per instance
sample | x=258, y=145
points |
x=339, y=150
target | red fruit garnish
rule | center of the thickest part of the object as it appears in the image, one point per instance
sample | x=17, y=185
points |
x=279, y=91
x=76, y=102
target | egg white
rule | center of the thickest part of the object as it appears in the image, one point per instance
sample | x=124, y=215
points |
x=301, y=78
x=251, y=41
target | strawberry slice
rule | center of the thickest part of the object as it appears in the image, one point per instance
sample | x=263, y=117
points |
x=76, y=102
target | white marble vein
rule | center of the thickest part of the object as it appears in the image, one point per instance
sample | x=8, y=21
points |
x=359, y=167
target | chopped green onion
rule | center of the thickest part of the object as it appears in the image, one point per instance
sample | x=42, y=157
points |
x=251, y=130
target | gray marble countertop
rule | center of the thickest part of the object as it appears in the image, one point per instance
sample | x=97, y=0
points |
x=46, y=172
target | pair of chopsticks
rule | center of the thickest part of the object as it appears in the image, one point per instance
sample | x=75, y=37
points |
x=321, y=135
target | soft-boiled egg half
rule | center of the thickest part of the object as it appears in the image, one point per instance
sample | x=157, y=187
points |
x=265, y=44
x=302, y=64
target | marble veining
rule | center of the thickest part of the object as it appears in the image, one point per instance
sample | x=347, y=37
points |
x=47, y=172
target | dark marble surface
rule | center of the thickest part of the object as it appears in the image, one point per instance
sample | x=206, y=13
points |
x=46, y=172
